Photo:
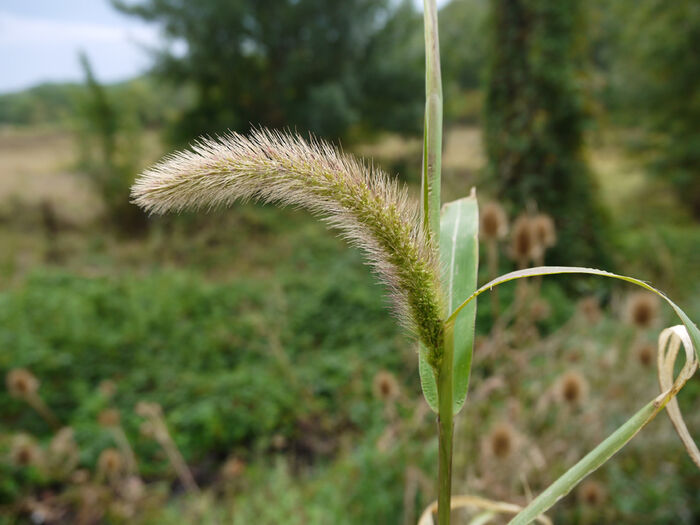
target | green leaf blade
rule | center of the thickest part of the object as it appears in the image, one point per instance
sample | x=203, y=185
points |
x=459, y=255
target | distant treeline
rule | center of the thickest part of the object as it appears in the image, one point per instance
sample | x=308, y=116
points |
x=148, y=99
x=345, y=70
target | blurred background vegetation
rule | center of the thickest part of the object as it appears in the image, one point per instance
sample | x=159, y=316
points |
x=256, y=348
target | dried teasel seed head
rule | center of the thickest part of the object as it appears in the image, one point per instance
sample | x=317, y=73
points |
x=523, y=242
x=370, y=211
x=21, y=383
x=572, y=388
x=232, y=469
x=501, y=440
x=544, y=231
x=493, y=221
x=540, y=309
x=591, y=493
x=147, y=430
x=147, y=409
x=110, y=461
x=63, y=443
x=24, y=451
x=590, y=309
x=385, y=386
x=642, y=309
x=133, y=489
x=80, y=476
x=107, y=388
x=109, y=418
x=645, y=354
x=279, y=441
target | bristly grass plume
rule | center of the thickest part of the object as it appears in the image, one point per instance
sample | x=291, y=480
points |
x=371, y=210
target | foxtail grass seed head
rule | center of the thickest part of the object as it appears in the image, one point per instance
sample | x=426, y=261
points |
x=110, y=462
x=385, y=387
x=523, y=243
x=371, y=211
x=544, y=230
x=24, y=451
x=109, y=418
x=572, y=388
x=591, y=493
x=494, y=222
x=642, y=309
x=645, y=354
x=21, y=383
x=501, y=441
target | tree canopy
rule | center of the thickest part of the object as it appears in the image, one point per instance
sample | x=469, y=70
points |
x=305, y=64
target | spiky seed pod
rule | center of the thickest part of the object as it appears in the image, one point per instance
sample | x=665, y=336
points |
x=133, y=489
x=523, y=243
x=385, y=386
x=590, y=308
x=148, y=409
x=573, y=388
x=21, y=383
x=279, y=441
x=80, y=476
x=642, y=309
x=501, y=440
x=540, y=309
x=544, y=230
x=232, y=468
x=591, y=493
x=494, y=222
x=107, y=388
x=110, y=462
x=24, y=451
x=371, y=211
x=109, y=417
x=645, y=354
x=63, y=443
x=147, y=430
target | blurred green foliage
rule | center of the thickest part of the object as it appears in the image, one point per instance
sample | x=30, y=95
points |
x=662, y=76
x=109, y=144
x=535, y=120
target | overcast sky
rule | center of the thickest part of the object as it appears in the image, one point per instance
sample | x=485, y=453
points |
x=40, y=41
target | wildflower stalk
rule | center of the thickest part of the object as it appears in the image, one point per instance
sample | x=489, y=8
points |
x=432, y=166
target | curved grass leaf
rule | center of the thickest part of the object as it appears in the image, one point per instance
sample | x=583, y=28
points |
x=459, y=255
x=693, y=332
x=670, y=341
x=603, y=452
x=688, y=335
x=490, y=507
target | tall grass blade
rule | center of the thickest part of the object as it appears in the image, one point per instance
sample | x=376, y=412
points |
x=432, y=139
